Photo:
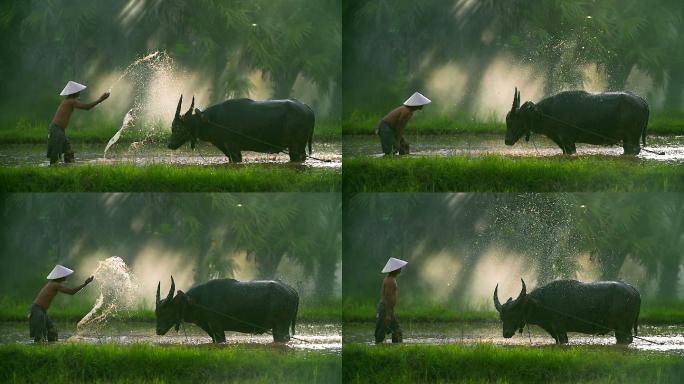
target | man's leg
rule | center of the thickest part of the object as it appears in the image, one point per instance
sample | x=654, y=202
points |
x=68, y=152
x=397, y=334
x=51, y=329
x=380, y=330
x=386, y=134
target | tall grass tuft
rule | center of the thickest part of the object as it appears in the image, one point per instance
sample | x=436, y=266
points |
x=505, y=174
x=168, y=178
x=144, y=363
x=486, y=363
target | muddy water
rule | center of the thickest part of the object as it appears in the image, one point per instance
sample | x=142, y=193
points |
x=325, y=337
x=669, y=337
x=493, y=144
x=137, y=154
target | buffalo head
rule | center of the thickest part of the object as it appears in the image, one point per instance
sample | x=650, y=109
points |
x=512, y=313
x=519, y=120
x=169, y=311
x=184, y=127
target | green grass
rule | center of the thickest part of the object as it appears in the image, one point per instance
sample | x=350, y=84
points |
x=12, y=309
x=78, y=363
x=486, y=363
x=657, y=313
x=504, y=174
x=660, y=123
x=32, y=132
x=168, y=178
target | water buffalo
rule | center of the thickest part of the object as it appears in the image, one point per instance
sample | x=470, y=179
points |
x=246, y=125
x=580, y=117
x=230, y=305
x=564, y=306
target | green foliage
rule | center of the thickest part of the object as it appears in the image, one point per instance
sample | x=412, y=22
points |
x=167, y=178
x=495, y=173
x=486, y=363
x=142, y=363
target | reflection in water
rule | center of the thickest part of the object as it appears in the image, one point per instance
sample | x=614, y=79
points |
x=670, y=338
x=325, y=337
x=205, y=154
x=492, y=144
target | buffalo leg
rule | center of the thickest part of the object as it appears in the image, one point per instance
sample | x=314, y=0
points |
x=560, y=334
x=281, y=334
x=235, y=156
x=570, y=149
x=207, y=329
x=631, y=149
x=624, y=336
x=297, y=153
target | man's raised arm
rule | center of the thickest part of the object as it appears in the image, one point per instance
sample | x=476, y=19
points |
x=87, y=106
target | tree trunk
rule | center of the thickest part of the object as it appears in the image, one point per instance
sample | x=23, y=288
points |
x=283, y=80
x=675, y=87
x=667, y=284
x=618, y=73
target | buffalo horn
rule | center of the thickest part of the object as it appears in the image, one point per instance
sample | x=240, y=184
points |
x=515, y=100
x=192, y=105
x=173, y=286
x=497, y=304
x=523, y=291
x=178, y=108
x=158, y=297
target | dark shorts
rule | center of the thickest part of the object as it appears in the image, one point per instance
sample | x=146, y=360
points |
x=57, y=142
x=387, y=140
x=386, y=134
x=381, y=330
x=40, y=325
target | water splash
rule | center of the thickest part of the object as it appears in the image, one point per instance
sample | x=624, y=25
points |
x=154, y=78
x=127, y=121
x=118, y=291
x=133, y=65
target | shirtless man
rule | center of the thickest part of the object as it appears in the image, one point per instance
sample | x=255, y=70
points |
x=57, y=140
x=40, y=325
x=391, y=127
x=385, y=322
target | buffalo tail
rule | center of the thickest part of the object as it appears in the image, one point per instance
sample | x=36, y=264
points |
x=643, y=131
x=294, y=318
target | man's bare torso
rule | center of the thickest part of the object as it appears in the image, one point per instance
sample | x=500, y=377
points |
x=63, y=114
x=389, y=292
x=397, y=116
x=47, y=294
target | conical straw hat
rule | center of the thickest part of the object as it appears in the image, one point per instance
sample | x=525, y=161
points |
x=59, y=271
x=71, y=88
x=417, y=100
x=394, y=264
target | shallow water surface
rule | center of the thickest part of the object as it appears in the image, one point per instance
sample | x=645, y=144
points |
x=670, y=338
x=325, y=337
x=327, y=154
x=493, y=144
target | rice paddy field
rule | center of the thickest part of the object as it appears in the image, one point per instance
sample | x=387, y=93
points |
x=465, y=345
x=125, y=349
x=470, y=156
x=140, y=162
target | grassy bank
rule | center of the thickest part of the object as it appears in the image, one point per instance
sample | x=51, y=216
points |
x=659, y=313
x=667, y=123
x=76, y=363
x=505, y=174
x=25, y=132
x=492, y=364
x=15, y=310
x=168, y=178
